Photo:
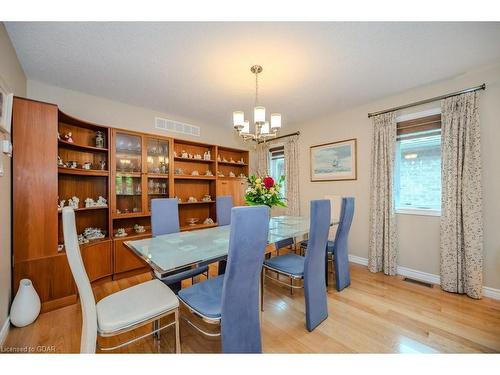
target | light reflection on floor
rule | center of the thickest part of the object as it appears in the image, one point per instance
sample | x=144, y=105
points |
x=409, y=346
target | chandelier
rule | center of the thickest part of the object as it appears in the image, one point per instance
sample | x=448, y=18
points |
x=263, y=129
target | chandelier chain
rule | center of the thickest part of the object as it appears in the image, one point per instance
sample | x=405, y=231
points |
x=256, y=89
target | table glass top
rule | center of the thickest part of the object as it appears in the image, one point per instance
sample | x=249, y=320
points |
x=170, y=252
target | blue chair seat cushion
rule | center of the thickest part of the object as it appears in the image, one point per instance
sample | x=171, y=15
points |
x=329, y=245
x=205, y=297
x=183, y=275
x=291, y=264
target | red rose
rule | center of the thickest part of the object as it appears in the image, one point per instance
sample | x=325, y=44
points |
x=268, y=182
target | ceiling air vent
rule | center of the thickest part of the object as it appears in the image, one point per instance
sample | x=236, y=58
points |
x=176, y=127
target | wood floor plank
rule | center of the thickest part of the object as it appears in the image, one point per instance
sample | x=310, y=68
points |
x=376, y=314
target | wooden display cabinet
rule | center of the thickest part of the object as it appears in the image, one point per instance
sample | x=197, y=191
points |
x=140, y=173
x=195, y=177
x=129, y=169
x=230, y=160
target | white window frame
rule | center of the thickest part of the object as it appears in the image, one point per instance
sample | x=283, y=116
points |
x=416, y=211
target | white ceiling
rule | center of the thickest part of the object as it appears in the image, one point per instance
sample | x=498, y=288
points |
x=200, y=71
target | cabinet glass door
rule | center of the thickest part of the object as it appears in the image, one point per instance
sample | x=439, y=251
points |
x=157, y=168
x=128, y=182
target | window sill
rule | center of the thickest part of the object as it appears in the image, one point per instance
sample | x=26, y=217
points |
x=415, y=211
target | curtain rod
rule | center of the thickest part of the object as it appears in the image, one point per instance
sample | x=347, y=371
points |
x=281, y=136
x=477, y=88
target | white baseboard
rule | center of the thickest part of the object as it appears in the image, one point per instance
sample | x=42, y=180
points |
x=491, y=292
x=4, y=332
x=424, y=276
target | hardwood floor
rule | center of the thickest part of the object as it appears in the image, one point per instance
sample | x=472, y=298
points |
x=376, y=314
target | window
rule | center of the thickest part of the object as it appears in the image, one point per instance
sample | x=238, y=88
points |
x=277, y=164
x=417, y=174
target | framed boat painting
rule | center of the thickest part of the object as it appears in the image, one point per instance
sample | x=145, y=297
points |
x=334, y=161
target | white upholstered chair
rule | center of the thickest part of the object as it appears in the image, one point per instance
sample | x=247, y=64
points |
x=119, y=312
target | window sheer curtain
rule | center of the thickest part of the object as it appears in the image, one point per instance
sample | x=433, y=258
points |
x=461, y=212
x=262, y=151
x=382, y=251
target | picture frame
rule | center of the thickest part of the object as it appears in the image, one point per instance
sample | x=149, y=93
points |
x=6, y=101
x=334, y=161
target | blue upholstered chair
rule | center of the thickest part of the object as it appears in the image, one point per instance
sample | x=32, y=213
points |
x=232, y=299
x=165, y=220
x=311, y=267
x=337, y=250
x=223, y=206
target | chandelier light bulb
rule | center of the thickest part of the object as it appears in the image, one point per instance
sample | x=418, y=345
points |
x=246, y=127
x=259, y=114
x=265, y=128
x=238, y=119
x=275, y=121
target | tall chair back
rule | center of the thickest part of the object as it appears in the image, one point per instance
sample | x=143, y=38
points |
x=89, y=314
x=224, y=204
x=240, y=326
x=164, y=216
x=340, y=249
x=314, y=264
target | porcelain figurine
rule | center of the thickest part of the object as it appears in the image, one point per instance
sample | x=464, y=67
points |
x=197, y=156
x=74, y=202
x=208, y=220
x=241, y=161
x=231, y=174
x=231, y=160
x=139, y=228
x=61, y=204
x=82, y=240
x=93, y=233
x=192, y=200
x=99, y=139
x=71, y=164
x=179, y=171
x=206, y=155
x=60, y=247
x=60, y=162
x=68, y=137
x=184, y=154
x=195, y=173
x=242, y=175
x=89, y=202
x=120, y=232
x=102, y=202
x=224, y=160
x=87, y=165
x=218, y=158
x=175, y=154
x=207, y=198
x=220, y=174
x=102, y=165
x=208, y=173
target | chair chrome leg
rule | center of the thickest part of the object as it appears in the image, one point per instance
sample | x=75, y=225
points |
x=156, y=327
x=291, y=286
x=177, y=333
x=262, y=289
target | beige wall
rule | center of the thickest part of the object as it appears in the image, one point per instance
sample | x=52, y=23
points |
x=116, y=114
x=13, y=77
x=418, y=236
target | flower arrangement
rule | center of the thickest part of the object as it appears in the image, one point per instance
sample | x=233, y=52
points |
x=265, y=191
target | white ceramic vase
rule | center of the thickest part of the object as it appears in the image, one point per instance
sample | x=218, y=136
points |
x=26, y=305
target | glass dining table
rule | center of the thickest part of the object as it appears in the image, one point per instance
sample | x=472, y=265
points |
x=170, y=252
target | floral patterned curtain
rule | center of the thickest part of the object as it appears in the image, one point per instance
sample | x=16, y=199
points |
x=292, y=175
x=262, y=151
x=461, y=212
x=382, y=251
